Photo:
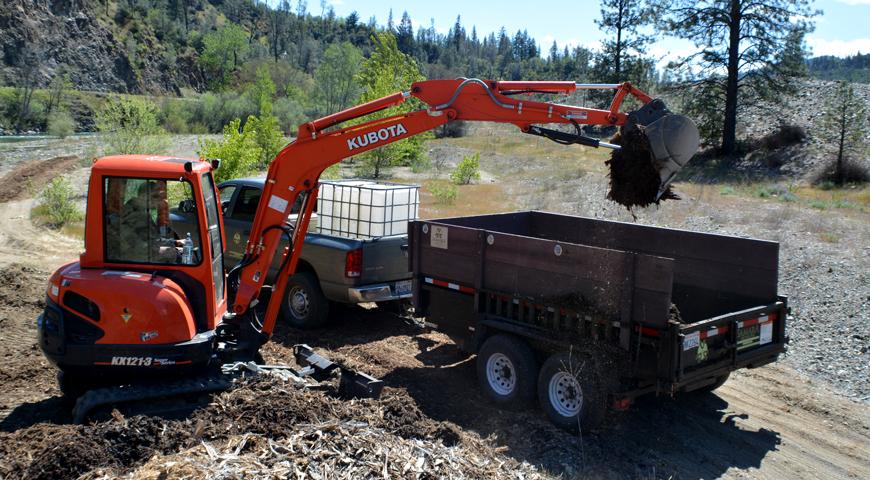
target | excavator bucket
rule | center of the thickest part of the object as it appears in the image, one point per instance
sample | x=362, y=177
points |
x=655, y=145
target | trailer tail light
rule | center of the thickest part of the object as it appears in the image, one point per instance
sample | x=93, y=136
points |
x=353, y=263
x=621, y=404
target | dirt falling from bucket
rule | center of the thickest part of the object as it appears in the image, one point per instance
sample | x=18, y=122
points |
x=634, y=182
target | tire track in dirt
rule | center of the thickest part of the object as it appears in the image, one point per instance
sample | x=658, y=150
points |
x=23, y=242
x=28, y=178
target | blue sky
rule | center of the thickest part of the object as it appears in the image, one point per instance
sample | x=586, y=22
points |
x=841, y=30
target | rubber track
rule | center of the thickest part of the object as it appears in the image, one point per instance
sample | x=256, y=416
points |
x=134, y=393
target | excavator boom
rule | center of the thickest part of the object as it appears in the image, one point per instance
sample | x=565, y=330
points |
x=323, y=142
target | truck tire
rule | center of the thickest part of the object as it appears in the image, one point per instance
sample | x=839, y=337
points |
x=506, y=371
x=304, y=305
x=570, y=392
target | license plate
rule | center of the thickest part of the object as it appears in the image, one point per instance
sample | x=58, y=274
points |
x=404, y=287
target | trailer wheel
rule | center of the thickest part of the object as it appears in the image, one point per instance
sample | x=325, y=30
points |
x=506, y=371
x=570, y=392
x=304, y=304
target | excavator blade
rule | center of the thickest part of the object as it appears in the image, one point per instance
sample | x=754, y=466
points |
x=654, y=145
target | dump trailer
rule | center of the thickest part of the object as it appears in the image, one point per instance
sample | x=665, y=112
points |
x=583, y=315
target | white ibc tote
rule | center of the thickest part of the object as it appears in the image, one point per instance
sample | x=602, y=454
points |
x=366, y=209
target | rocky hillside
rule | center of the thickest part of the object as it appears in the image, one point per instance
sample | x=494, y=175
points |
x=806, y=109
x=40, y=38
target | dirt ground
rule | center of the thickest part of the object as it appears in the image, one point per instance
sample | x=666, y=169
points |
x=773, y=422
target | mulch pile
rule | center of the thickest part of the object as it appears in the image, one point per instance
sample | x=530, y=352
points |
x=634, y=181
x=263, y=428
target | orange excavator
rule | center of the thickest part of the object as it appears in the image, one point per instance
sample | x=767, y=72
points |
x=146, y=310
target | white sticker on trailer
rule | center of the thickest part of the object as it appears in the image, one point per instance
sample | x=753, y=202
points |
x=277, y=203
x=438, y=237
x=691, y=341
x=765, y=335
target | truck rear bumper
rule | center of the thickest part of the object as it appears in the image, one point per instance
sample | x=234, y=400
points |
x=380, y=292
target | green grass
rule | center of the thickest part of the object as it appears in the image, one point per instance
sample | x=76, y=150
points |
x=818, y=197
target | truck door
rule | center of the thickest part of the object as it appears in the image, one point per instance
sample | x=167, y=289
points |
x=238, y=220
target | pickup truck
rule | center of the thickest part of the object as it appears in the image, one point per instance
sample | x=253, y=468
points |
x=331, y=269
x=580, y=315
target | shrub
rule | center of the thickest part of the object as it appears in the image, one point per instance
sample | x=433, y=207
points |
x=175, y=116
x=56, y=206
x=785, y=136
x=289, y=112
x=421, y=164
x=444, y=192
x=467, y=170
x=454, y=129
x=267, y=135
x=61, y=124
x=853, y=171
x=129, y=125
x=332, y=172
x=237, y=150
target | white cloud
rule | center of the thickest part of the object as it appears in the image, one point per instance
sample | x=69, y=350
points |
x=838, y=48
x=855, y=2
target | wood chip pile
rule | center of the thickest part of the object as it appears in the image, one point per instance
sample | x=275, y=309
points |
x=330, y=449
x=264, y=428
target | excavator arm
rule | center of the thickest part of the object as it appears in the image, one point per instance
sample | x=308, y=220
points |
x=320, y=143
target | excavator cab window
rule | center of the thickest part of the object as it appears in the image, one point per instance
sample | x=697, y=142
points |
x=137, y=222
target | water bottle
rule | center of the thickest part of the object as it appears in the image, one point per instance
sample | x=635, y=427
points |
x=187, y=251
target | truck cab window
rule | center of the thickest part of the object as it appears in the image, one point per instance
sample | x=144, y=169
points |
x=246, y=204
x=226, y=196
x=137, y=221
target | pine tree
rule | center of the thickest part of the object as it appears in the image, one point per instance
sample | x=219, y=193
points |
x=623, y=19
x=745, y=40
x=846, y=119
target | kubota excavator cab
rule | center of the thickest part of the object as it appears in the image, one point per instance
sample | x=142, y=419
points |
x=142, y=297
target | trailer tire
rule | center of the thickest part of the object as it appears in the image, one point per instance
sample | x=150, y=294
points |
x=507, y=370
x=570, y=392
x=304, y=305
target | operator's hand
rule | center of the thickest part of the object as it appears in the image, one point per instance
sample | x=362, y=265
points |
x=179, y=243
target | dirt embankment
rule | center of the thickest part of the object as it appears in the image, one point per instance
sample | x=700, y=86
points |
x=29, y=178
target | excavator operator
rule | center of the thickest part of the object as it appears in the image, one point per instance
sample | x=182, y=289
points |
x=138, y=237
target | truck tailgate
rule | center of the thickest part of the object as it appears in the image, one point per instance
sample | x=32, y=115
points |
x=385, y=259
x=718, y=345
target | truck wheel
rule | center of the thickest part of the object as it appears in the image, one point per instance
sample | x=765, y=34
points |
x=506, y=371
x=570, y=393
x=304, y=305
